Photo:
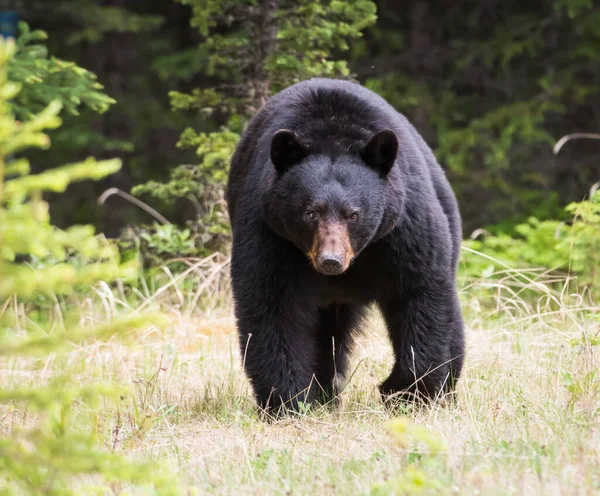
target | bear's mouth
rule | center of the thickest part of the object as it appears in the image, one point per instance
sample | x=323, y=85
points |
x=331, y=252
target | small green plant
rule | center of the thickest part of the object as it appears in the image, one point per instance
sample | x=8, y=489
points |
x=161, y=242
x=167, y=239
x=60, y=447
x=421, y=447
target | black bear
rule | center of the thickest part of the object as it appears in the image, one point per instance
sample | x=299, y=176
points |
x=337, y=202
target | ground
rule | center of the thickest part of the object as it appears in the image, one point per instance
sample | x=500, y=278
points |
x=527, y=420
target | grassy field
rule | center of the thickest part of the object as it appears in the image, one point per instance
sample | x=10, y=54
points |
x=527, y=419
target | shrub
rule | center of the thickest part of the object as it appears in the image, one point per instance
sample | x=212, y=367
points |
x=570, y=248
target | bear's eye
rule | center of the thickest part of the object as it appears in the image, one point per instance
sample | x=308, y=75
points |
x=310, y=215
x=354, y=216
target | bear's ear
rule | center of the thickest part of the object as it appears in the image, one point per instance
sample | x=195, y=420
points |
x=380, y=153
x=286, y=150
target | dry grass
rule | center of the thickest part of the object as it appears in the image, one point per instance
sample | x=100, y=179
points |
x=526, y=421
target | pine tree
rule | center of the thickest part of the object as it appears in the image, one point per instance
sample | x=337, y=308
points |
x=44, y=78
x=58, y=446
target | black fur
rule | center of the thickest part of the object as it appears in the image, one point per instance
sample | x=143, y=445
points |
x=295, y=323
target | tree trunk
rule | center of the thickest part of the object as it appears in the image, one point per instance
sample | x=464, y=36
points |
x=264, y=33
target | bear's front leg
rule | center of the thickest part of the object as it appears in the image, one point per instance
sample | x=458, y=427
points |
x=279, y=351
x=426, y=331
x=276, y=317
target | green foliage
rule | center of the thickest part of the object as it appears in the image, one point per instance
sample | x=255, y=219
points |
x=420, y=445
x=167, y=239
x=569, y=247
x=98, y=20
x=306, y=33
x=44, y=79
x=214, y=150
x=573, y=7
x=160, y=243
x=58, y=448
x=203, y=186
x=309, y=32
x=25, y=225
x=251, y=50
x=270, y=45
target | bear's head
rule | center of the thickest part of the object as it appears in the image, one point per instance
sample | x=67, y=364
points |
x=331, y=205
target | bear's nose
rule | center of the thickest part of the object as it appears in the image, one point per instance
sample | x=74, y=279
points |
x=330, y=263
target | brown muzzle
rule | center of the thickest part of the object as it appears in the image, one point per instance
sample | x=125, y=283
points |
x=331, y=252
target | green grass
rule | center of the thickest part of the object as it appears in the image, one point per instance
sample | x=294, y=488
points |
x=526, y=421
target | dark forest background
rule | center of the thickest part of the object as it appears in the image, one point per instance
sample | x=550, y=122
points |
x=491, y=86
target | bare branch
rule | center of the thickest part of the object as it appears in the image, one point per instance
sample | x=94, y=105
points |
x=132, y=199
x=569, y=137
